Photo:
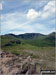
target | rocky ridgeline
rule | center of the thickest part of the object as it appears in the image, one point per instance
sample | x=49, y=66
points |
x=12, y=64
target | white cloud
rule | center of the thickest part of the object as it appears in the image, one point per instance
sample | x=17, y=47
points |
x=50, y=6
x=1, y=6
x=32, y=14
x=49, y=10
x=45, y=15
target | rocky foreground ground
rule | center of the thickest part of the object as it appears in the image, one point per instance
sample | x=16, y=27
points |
x=12, y=64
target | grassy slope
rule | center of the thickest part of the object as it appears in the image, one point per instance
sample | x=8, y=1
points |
x=7, y=38
x=43, y=43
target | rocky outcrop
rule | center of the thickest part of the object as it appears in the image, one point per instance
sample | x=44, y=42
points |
x=16, y=65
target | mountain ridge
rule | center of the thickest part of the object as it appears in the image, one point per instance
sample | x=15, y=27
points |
x=35, y=39
x=26, y=35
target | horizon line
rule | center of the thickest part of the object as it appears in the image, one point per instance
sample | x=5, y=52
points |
x=27, y=33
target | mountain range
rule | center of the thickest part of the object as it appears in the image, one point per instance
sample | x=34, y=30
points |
x=35, y=39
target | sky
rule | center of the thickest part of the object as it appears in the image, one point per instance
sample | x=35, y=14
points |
x=27, y=16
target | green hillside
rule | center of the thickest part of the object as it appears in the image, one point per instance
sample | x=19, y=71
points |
x=10, y=40
x=48, y=40
x=38, y=40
